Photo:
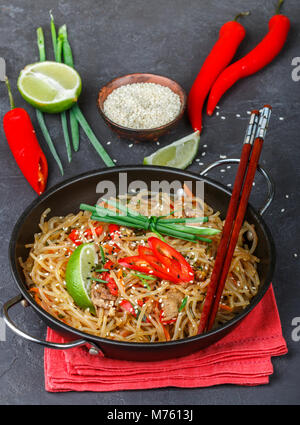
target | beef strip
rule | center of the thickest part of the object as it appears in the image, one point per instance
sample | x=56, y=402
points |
x=171, y=304
x=101, y=297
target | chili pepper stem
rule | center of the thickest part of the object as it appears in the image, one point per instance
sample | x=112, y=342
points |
x=11, y=99
x=241, y=14
x=278, y=7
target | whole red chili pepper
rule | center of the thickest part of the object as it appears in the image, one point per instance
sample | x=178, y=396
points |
x=24, y=145
x=230, y=36
x=255, y=60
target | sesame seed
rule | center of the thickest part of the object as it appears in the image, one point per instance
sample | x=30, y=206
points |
x=223, y=118
x=282, y=210
x=108, y=143
x=281, y=118
x=142, y=105
x=238, y=115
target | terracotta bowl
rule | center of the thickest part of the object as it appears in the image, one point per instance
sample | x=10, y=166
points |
x=141, y=134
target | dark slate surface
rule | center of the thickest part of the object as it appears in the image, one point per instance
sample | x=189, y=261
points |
x=170, y=37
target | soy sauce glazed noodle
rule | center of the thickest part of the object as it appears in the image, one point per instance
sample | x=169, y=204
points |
x=163, y=310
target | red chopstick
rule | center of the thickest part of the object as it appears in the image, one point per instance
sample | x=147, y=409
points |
x=234, y=218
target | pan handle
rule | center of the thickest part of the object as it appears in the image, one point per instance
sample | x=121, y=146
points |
x=270, y=183
x=93, y=349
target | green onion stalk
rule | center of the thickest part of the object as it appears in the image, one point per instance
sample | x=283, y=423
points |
x=75, y=112
x=57, y=48
x=181, y=228
x=39, y=114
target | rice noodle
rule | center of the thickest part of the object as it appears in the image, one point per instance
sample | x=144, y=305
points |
x=49, y=253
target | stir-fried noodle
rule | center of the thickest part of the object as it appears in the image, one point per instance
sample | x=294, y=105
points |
x=181, y=303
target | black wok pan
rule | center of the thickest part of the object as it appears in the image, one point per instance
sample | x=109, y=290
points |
x=66, y=197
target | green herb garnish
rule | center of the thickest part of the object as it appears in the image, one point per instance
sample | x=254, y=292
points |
x=176, y=227
x=183, y=304
x=103, y=259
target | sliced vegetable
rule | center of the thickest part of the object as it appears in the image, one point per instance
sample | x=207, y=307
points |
x=183, y=304
x=110, y=283
x=75, y=234
x=171, y=259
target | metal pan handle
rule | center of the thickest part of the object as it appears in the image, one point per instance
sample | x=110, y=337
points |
x=270, y=183
x=93, y=349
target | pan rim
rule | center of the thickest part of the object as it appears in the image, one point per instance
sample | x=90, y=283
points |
x=143, y=345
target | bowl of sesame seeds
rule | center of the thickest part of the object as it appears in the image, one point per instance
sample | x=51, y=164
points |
x=141, y=107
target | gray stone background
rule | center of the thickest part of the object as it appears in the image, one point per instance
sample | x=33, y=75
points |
x=170, y=37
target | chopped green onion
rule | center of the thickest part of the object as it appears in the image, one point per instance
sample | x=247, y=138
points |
x=99, y=280
x=145, y=276
x=101, y=270
x=183, y=304
x=102, y=255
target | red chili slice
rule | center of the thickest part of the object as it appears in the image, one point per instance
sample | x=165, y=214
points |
x=127, y=306
x=171, y=258
x=167, y=273
x=75, y=234
x=111, y=284
x=89, y=234
x=109, y=265
x=112, y=229
x=140, y=264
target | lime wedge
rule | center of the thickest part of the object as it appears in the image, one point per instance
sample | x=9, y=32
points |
x=178, y=154
x=50, y=86
x=79, y=273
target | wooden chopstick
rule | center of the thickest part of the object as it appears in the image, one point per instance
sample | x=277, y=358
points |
x=235, y=216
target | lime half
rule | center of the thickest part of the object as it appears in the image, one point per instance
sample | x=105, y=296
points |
x=50, y=86
x=178, y=154
x=79, y=273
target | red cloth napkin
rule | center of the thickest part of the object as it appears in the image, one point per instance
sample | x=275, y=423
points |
x=242, y=357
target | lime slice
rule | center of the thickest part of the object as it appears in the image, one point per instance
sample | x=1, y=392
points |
x=79, y=273
x=178, y=154
x=50, y=86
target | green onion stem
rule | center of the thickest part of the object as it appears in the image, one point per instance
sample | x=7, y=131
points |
x=41, y=44
x=99, y=280
x=103, y=259
x=68, y=60
x=53, y=35
x=39, y=114
x=91, y=136
x=43, y=127
x=183, y=304
x=63, y=115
